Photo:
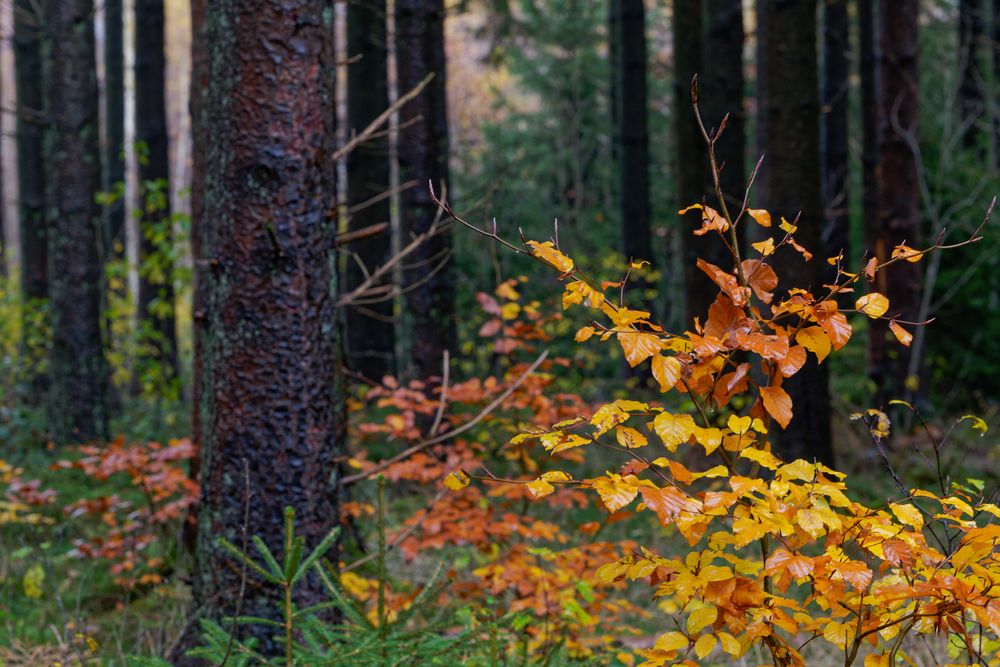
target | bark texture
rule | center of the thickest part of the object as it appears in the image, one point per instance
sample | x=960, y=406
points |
x=423, y=158
x=114, y=127
x=790, y=184
x=369, y=327
x=272, y=423
x=898, y=201
x=77, y=368
x=868, y=59
x=833, y=119
x=971, y=92
x=156, y=291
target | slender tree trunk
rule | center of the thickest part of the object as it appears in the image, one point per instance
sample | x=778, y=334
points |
x=114, y=129
x=833, y=119
x=790, y=184
x=156, y=290
x=971, y=93
x=614, y=69
x=423, y=158
x=721, y=89
x=898, y=193
x=633, y=108
x=868, y=63
x=370, y=328
x=995, y=41
x=690, y=159
x=271, y=414
x=78, y=373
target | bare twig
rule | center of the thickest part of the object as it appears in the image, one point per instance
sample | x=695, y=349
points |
x=382, y=119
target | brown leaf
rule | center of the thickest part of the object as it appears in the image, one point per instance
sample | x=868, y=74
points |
x=778, y=404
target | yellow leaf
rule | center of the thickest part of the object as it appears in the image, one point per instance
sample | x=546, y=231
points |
x=582, y=293
x=558, y=441
x=616, y=491
x=637, y=264
x=730, y=644
x=704, y=645
x=630, y=438
x=765, y=459
x=978, y=424
x=739, y=425
x=798, y=469
x=717, y=471
x=908, y=514
x=907, y=253
x=762, y=217
x=673, y=429
x=873, y=305
x=542, y=486
x=638, y=346
x=584, y=334
x=672, y=641
x=902, y=335
x=765, y=247
x=788, y=227
x=815, y=340
x=701, y=618
x=457, y=480
x=880, y=660
x=667, y=371
x=548, y=253
x=510, y=310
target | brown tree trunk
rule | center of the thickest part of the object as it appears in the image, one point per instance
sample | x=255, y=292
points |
x=633, y=110
x=113, y=240
x=690, y=159
x=77, y=369
x=898, y=202
x=156, y=290
x=971, y=93
x=271, y=414
x=423, y=158
x=790, y=184
x=369, y=327
x=833, y=119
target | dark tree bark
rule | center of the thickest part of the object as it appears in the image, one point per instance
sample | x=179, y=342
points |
x=271, y=406
x=971, y=93
x=690, y=159
x=898, y=201
x=995, y=41
x=833, y=119
x=615, y=81
x=423, y=158
x=868, y=63
x=77, y=370
x=370, y=329
x=30, y=163
x=156, y=291
x=721, y=92
x=790, y=184
x=114, y=128
x=633, y=109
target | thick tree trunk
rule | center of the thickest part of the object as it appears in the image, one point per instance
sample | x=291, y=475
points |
x=633, y=110
x=833, y=119
x=271, y=405
x=721, y=89
x=971, y=93
x=156, y=290
x=898, y=193
x=114, y=129
x=369, y=327
x=789, y=185
x=423, y=158
x=77, y=369
x=30, y=163
x=690, y=159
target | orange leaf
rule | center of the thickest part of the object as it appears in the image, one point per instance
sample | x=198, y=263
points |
x=906, y=252
x=797, y=565
x=616, y=491
x=548, y=253
x=901, y=334
x=761, y=278
x=762, y=217
x=726, y=281
x=870, y=267
x=667, y=502
x=778, y=404
x=815, y=340
x=638, y=346
x=710, y=220
x=790, y=364
x=666, y=370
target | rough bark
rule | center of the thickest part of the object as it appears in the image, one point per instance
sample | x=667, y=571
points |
x=369, y=328
x=898, y=201
x=271, y=405
x=690, y=159
x=721, y=93
x=114, y=128
x=633, y=110
x=971, y=93
x=423, y=158
x=77, y=369
x=833, y=120
x=155, y=302
x=790, y=184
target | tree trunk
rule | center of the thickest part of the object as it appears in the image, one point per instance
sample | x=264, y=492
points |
x=995, y=41
x=633, y=110
x=721, y=90
x=690, y=159
x=423, y=158
x=370, y=329
x=155, y=301
x=114, y=129
x=790, y=184
x=898, y=203
x=833, y=119
x=971, y=95
x=869, y=93
x=77, y=369
x=271, y=405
